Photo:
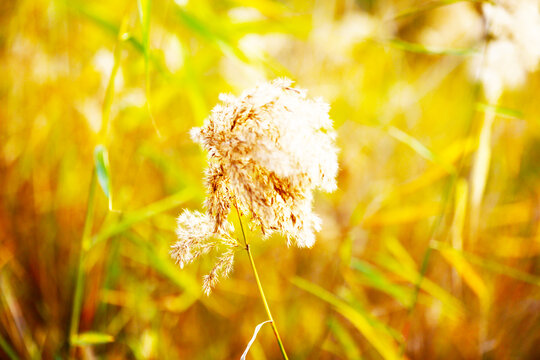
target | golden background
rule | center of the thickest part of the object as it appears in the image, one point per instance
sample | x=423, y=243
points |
x=404, y=266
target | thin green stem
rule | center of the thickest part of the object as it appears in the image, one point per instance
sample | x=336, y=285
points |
x=259, y=285
x=4, y=345
x=85, y=245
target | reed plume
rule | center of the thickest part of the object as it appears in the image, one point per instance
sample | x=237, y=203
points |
x=513, y=49
x=268, y=149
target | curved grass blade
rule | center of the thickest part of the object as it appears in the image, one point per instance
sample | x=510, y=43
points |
x=13, y=310
x=345, y=339
x=145, y=8
x=257, y=329
x=468, y=273
x=491, y=265
x=427, y=50
x=103, y=23
x=145, y=213
x=109, y=93
x=101, y=162
x=500, y=111
x=453, y=306
x=377, y=280
x=405, y=214
x=451, y=155
x=162, y=263
x=430, y=5
x=378, y=334
x=207, y=32
x=4, y=345
x=114, y=29
x=418, y=147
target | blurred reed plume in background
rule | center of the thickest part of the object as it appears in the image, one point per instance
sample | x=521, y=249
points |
x=430, y=246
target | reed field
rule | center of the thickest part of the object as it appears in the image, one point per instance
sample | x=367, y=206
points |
x=406, y=227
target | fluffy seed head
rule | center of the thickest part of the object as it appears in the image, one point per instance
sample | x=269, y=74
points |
x=514, y=51
x=222, y=269
x=268, y=149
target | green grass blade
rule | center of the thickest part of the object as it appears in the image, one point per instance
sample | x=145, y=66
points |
x=85, y=244
x=114, y=29
x=161, y=262
x=377, y=280
x=345, y=339
x=500, y=111
x=109, y=93
x=96, y=18
x=145, y=213
x=101, y=163
x=427, y=50
x=214, y=36
x=145, y=9
x=10, y=352
x=418, y=147
x=411, y=142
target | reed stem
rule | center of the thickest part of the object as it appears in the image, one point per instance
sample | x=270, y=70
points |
x=259, y=285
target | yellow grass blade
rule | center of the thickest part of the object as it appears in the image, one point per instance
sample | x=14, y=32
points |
x=91, y=338
x=372, y=329
x=469, y=275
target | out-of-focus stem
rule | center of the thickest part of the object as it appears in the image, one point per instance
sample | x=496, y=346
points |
x=480, y=170
x=259, y=285
x=79, y=282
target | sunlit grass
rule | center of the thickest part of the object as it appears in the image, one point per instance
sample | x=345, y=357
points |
x=429, y=248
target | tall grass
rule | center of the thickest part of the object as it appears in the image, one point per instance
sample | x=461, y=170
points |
x=429, y=249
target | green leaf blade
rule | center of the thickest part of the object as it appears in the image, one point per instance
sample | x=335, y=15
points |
x=101, y=160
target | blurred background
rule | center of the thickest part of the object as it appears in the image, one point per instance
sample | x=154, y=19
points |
x=429, y=248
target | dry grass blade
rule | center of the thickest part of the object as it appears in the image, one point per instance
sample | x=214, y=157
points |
x=491, y=265
x=16, y=319
x=375, y=332
x=480, y=169
x=453, y=307
x=430, y=5
x=255, y=332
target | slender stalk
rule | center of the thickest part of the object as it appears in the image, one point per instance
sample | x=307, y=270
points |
x=259, y=285
x=480, y=170
x=4, y=345
x=79, y=282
